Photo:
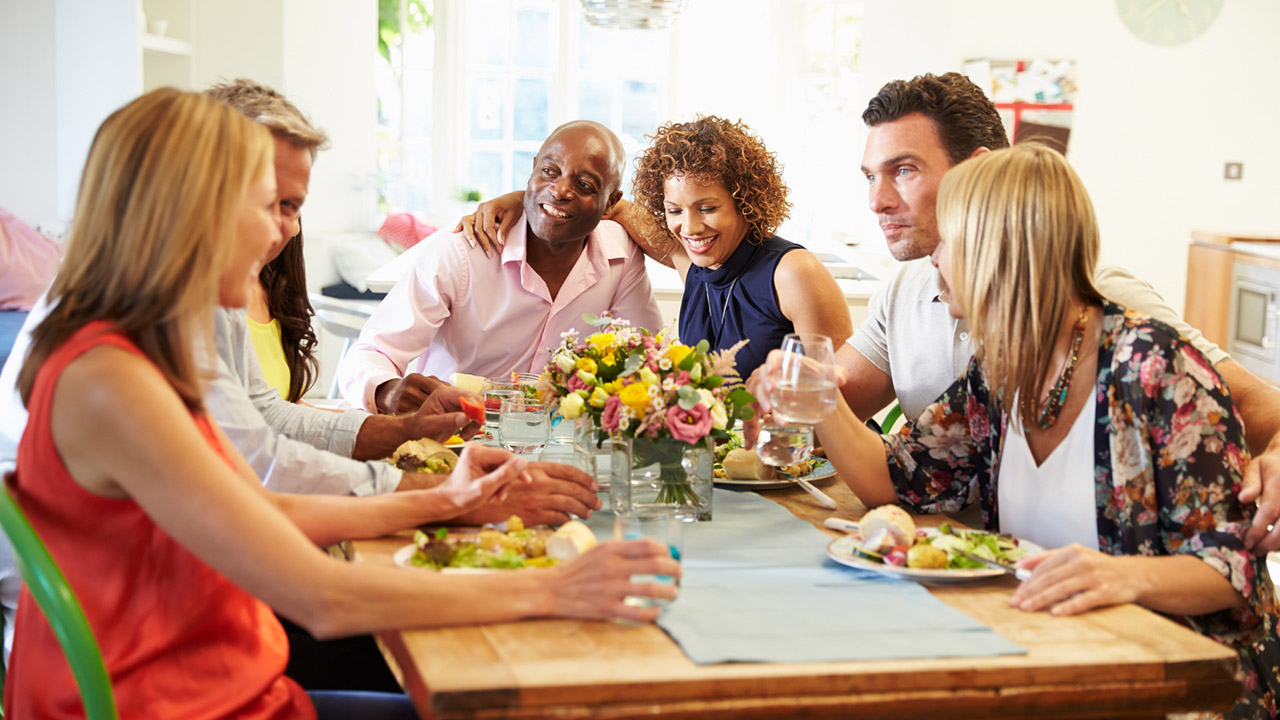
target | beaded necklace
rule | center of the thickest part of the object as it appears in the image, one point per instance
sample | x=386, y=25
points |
x=1058, y=395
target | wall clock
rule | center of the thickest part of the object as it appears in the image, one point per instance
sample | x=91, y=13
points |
x=1168, y=22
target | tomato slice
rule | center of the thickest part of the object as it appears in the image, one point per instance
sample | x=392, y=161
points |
x=473, y=410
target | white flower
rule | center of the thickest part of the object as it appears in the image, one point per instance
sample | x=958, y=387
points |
x=1183, y=391
x=1129, y=455
x=571, y=406
x=653, y=390
x=625, y=414
x=719, y=415
x=669, y=384
x=664, y=364
x=949, y=440
x=657, y=404
x=566, y=362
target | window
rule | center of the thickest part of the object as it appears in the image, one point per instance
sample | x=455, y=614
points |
x=522, y=67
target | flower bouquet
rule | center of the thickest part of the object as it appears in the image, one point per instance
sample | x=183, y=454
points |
x=663, y=401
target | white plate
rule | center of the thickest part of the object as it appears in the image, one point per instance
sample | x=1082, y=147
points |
x=841, y=550
x=822, y=473
x=404, y=556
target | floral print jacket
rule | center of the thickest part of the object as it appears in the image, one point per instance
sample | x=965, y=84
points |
x=1169, y=450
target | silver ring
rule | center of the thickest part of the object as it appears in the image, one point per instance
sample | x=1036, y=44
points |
x=1270, y=528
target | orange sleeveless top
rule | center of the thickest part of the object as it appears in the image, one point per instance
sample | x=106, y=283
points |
x=179, y=640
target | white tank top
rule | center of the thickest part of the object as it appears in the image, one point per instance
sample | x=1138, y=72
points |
x=1051, y=505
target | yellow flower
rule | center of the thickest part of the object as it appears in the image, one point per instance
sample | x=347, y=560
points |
x=598, y=397
x=635, y=396
x=603, y=342
x=587, y=364
x=677, y=353
x=586, y=377
x=648, y=376
x=608, y=360
x=613, y=388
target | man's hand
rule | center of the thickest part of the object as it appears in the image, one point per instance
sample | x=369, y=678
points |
x=1261, y=486
x=406, y=394
x=443, y=408
x=492, y=220
x=552, y=492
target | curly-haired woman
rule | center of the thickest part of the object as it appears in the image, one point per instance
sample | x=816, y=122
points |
x=720, y=195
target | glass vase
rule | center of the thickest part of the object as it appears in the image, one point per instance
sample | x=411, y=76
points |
x=647, y=475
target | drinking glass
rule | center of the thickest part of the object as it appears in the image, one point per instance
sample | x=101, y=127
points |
x=803, y=394
x=495, y=391
x=666, y=525
x=524, y=424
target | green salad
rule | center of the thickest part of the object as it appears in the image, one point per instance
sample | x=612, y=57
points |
x=990, y=546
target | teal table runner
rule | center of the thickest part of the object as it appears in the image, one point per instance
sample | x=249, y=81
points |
x=758, y=587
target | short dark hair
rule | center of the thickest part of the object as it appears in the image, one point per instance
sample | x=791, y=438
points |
x=964, y=116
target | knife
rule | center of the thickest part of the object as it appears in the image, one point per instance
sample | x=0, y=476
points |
x=1007, y=569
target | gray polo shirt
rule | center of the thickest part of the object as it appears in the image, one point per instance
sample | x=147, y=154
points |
x=913, y=339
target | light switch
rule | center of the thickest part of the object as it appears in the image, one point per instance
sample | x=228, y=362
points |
x=1233, y=171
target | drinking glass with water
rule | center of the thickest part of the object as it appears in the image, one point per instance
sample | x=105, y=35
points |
x=524, y=424
x=666, y=525
x=803, y=395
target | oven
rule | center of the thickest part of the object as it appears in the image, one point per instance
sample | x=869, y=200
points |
x=1255, y=319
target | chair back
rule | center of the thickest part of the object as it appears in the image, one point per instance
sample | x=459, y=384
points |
x=47, y=585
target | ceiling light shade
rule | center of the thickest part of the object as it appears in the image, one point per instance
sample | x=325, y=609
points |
x=632, y=14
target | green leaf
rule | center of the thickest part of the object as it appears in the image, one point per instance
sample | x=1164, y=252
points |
x=633, y=365
x=442, y=533
x=687, y=397
x=745, y=412
x=688, y=361
x=712, y=382
x=740, y=397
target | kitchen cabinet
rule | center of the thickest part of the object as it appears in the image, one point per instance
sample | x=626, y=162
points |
x=166, y=34
x=1233, y=296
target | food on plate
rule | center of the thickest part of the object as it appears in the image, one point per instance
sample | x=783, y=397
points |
x=572, y=539
x=885, y=528
x=473, y=409
x=469, y=383
x=516, y=547
x=425, y=455
x=924, y=556
x=744, y=464
x=890, y=536
x=804, y=467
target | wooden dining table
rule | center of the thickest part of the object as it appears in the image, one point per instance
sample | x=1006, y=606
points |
x=1119, y=662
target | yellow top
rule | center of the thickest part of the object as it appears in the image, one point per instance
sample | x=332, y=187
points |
x=270, y=350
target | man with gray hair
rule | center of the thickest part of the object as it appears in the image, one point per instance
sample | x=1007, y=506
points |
x=458, y=310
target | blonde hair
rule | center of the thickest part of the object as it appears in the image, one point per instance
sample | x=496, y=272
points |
x=265, y=106
x=1024, y=247
x=154, y=230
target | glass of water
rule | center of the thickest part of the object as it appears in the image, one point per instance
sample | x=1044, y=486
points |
x=666, y=525
x=495, y=391
x=524, y=424
x=803, y=395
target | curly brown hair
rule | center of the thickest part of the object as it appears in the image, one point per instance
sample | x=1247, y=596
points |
x=712, y=149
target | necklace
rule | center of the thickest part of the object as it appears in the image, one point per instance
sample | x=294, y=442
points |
x=724, y=311
x=1058, y=395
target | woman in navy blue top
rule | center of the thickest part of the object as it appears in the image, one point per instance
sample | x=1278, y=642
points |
x=708, y=198
x=720, y=194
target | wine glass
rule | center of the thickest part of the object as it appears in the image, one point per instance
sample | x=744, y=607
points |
x=524, y=424
x=803, y=395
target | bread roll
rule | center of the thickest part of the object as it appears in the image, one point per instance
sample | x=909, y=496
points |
x=885, y=527
x=572, y=539
x=744, y=464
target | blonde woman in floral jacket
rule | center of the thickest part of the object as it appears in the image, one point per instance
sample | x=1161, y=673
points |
x=1085, y=427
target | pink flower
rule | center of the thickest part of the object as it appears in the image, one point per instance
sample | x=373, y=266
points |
x=689, y=425
x=1150, y=373
x=575, y=383
x=609, y=418
x=682, y=378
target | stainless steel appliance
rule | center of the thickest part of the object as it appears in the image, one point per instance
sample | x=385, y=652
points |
x=1255, y=318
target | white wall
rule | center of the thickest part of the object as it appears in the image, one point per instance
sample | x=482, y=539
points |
x=28, y=177
x=1153, y=126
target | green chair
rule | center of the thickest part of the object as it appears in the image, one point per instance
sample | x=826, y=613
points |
x=52, y=593
x=891, y=418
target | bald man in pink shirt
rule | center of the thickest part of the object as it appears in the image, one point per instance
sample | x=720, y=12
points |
x=460, y=311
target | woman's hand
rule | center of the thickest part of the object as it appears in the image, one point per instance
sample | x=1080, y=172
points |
x=483, y=474
x=493, y=219
x=1075, y=579
x=760, y=385
x=594, y=585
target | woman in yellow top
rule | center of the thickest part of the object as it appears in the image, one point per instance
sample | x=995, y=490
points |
x=279, y=311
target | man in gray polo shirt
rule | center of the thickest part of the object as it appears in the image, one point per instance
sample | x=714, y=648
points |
x=910, y=348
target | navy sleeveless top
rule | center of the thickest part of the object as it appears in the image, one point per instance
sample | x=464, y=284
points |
x=736, y=301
